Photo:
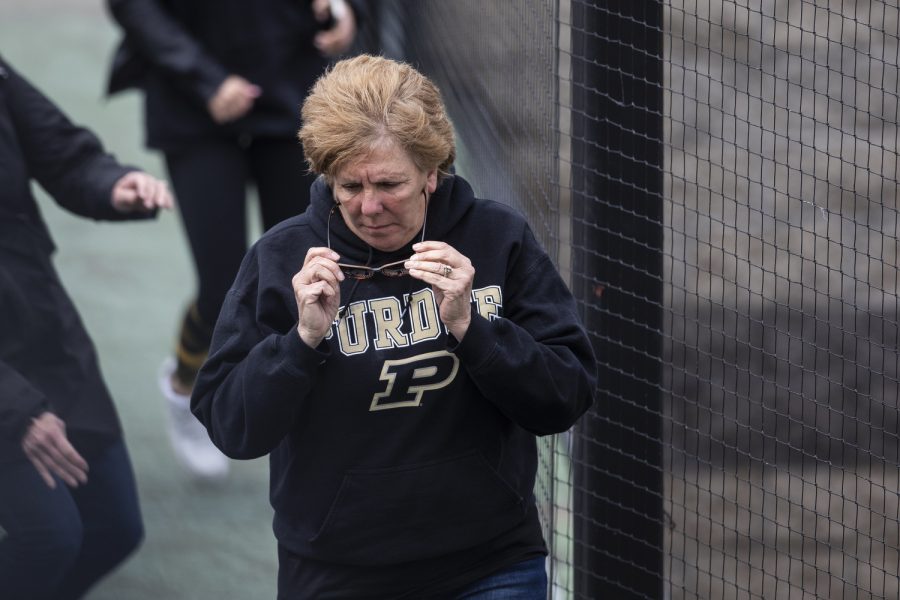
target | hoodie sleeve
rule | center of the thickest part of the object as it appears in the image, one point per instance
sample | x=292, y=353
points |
x=67, y=160
x=252, y=387
x=536, y=363
x=163, y=42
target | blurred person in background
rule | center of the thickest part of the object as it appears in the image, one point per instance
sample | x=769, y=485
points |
x=69, y=509
x=396, y=350
x=223, y=83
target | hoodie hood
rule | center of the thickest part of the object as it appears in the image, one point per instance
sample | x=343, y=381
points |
x=449, y=203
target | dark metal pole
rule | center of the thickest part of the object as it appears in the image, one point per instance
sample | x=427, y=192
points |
x=618, y=231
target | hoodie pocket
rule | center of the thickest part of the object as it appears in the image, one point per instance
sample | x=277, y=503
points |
x=415, y=512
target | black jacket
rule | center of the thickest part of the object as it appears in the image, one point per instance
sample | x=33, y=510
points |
x=180, y=51
x=47, y=360
x=395, y=449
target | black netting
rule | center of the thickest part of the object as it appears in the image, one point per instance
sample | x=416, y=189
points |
x=718, y=184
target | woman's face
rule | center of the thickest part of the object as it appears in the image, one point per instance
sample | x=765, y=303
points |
x=382, y=196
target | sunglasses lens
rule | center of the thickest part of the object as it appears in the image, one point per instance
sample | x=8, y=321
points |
x=363, y=272
x=357, y=273
x=394, y=271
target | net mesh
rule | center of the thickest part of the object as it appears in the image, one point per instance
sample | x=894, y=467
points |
x=717, y=181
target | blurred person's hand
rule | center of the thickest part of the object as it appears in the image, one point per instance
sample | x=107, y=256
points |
x=338, y=39
x=47, y=447
x=233, y=99
x=138, y=191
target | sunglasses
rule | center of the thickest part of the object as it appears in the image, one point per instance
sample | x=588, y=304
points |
x=391, y=269
x=394, y=269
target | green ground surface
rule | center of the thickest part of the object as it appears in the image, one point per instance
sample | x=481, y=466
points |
x=130, y=282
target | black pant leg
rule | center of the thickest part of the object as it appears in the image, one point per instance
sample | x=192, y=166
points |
x=281, y=178
x=209, y=180
x=42, y=533
x=111, y=520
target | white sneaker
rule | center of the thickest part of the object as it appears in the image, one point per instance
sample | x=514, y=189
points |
x=189, y=437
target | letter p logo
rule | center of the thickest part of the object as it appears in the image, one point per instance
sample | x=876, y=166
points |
x=407, y=379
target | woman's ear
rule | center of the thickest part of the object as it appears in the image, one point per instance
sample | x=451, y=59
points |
x=431, y=181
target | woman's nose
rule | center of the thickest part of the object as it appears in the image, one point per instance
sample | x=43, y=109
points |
x=371, y=204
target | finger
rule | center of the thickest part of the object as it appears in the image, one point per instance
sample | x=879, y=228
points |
x=46, y=443
x=144, y=191
x=316, y=300
x=218, y=114
x=72, y=474
x=319, y=251
x=65, y=462
x=161, y=196
x=132, y=192
x=65, y=472
x=317, y=290
x=429, y=266
x=329, y=269
x=311, y=292
x=227, y=107
x=70, y=455
x=320, y=9
x=231, y=110
x=168, y=200
x=326, y=42
x=43, y=472
x=439, y=256
x=319, y=272
x=428, y=245
x=246, y=100
x=243, y=105
x=427, y=275
x=40, y=455
x=58, y=454
x=156, y=195
x=315, y=272
x=331, y=287
x=126, y=196
x=125, y=193
x=319, y=264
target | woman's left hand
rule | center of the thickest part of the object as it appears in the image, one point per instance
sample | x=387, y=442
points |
x=49, y=450
x=451, y=275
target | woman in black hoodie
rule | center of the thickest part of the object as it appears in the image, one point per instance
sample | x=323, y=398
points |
x=396, y=349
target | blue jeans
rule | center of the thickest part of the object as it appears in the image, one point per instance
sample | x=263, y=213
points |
x=59, y=542
x=526, y=580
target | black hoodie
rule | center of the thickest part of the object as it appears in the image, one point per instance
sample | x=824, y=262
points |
x=400, y=457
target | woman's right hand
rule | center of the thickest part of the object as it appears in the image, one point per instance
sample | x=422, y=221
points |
x=317, y=291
